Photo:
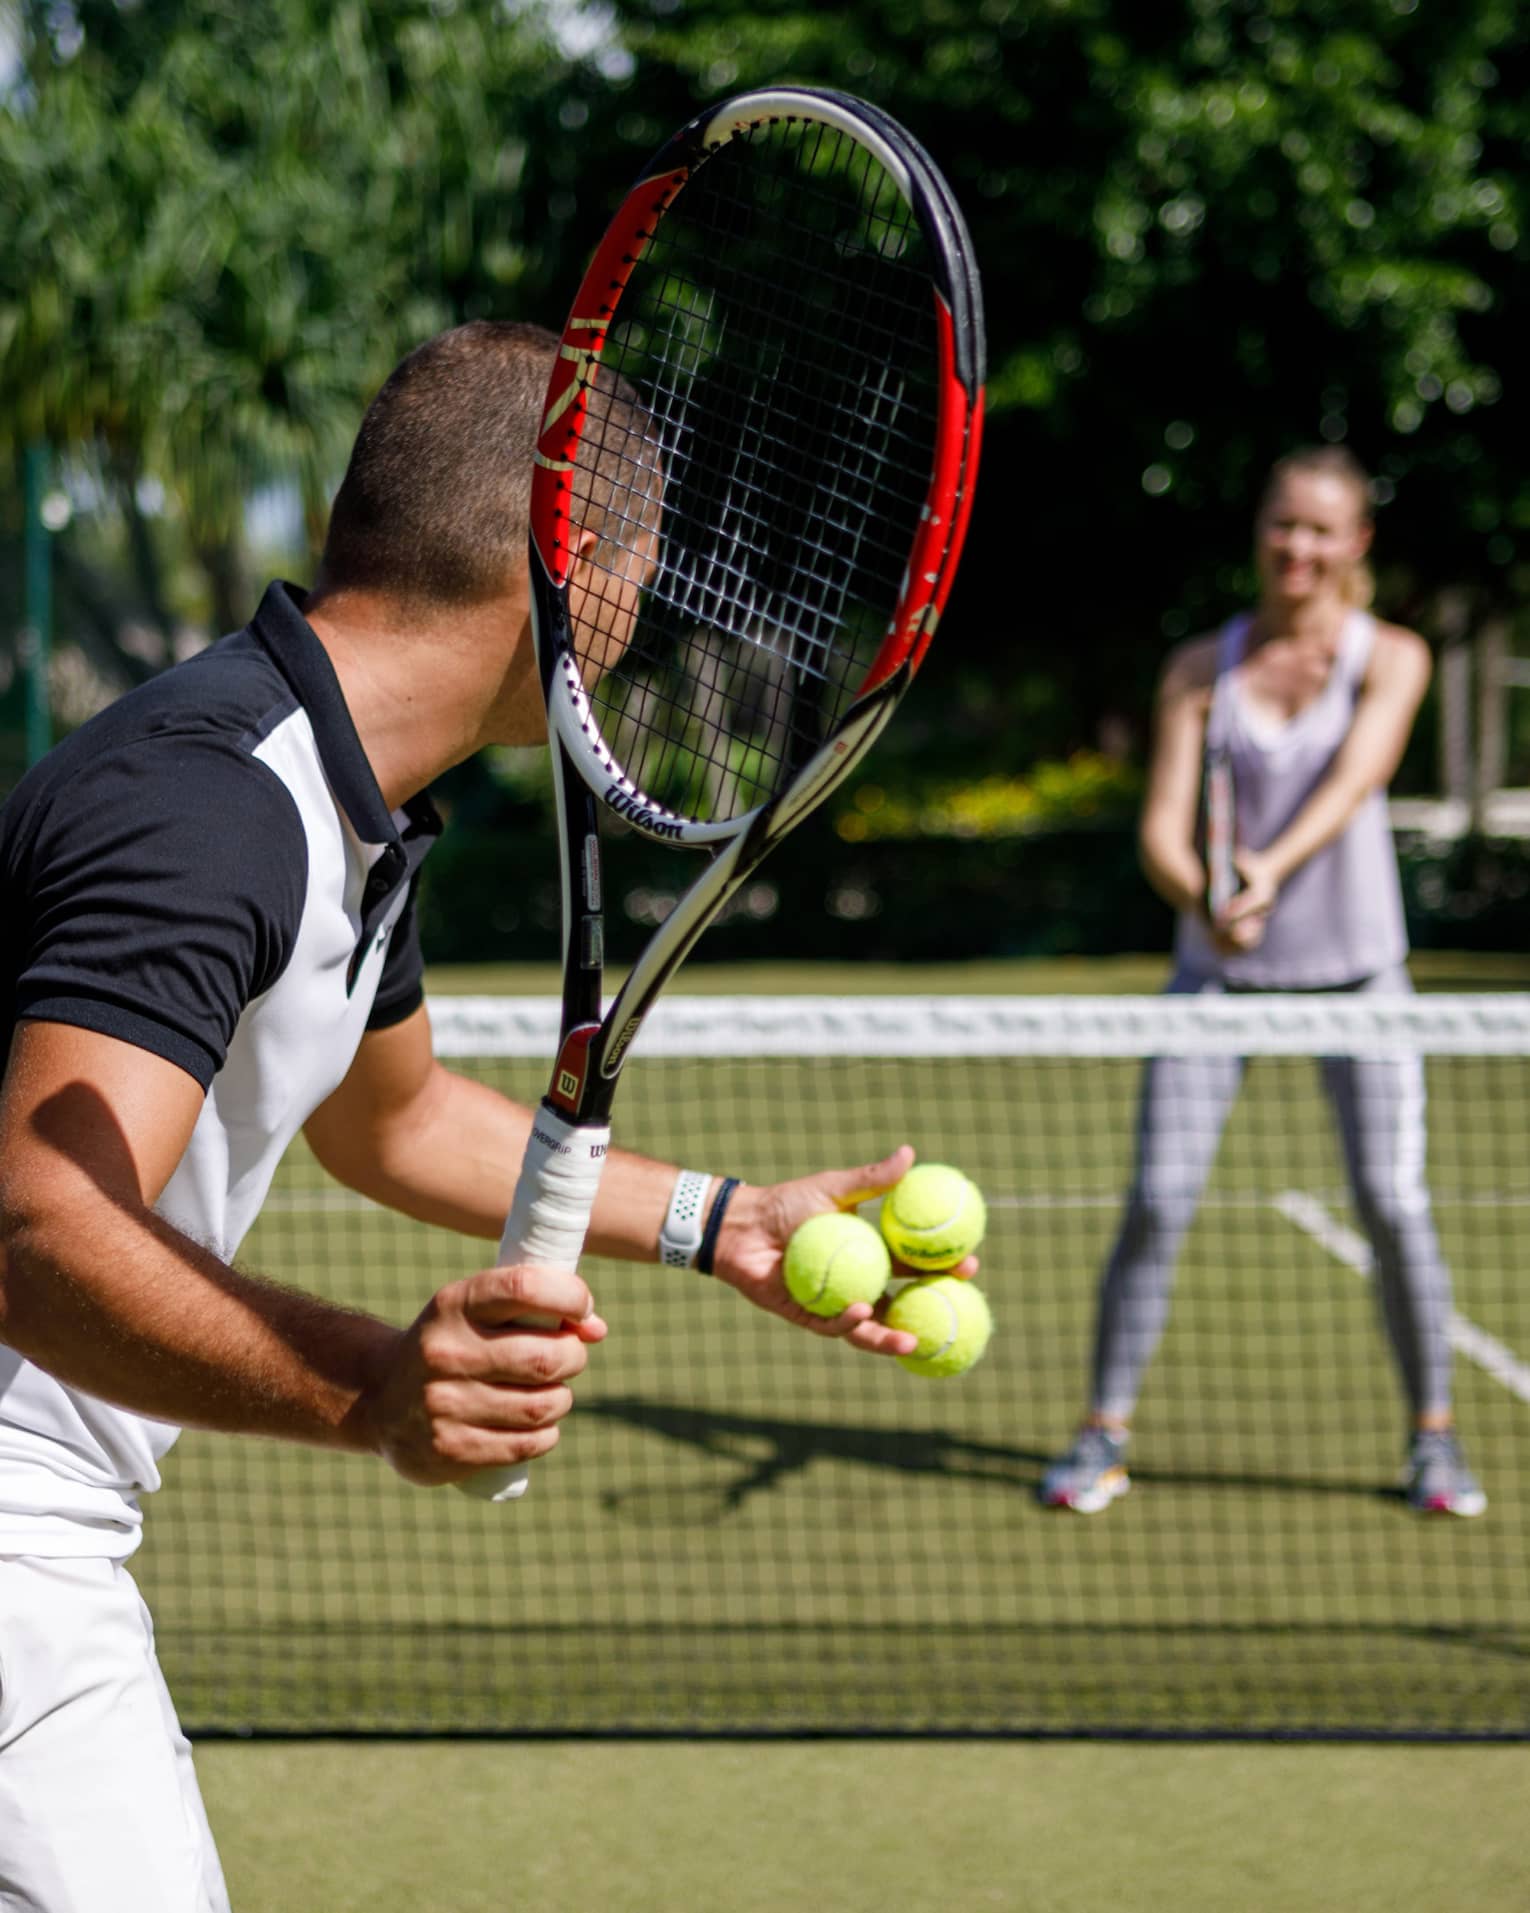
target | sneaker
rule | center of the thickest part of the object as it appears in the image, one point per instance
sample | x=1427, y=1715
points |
x=1439, y=1481
x=1090, y=1476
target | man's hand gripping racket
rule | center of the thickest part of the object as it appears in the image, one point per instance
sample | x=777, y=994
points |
x=752, y=484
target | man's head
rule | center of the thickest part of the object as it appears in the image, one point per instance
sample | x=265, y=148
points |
x=432, y=511
x=424, y=582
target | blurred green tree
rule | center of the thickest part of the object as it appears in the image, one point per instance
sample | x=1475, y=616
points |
x=1209, y=229
x=231, y=221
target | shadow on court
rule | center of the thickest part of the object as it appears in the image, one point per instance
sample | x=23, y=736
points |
x=768, y=1450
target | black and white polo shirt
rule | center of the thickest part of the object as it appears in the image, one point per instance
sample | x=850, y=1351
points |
x=209, y=871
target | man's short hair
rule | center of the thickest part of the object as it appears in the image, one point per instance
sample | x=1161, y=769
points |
x=434, y=505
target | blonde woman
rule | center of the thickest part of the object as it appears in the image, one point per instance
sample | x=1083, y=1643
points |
x=1308, y=700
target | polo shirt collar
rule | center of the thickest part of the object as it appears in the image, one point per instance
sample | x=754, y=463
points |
x=280, y=627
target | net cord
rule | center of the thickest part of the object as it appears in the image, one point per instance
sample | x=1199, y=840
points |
x=1019, y=1026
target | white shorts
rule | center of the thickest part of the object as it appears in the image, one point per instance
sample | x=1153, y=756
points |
x=99, y=1807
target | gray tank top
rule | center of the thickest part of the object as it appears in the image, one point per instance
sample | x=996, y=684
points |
x=1340, y=917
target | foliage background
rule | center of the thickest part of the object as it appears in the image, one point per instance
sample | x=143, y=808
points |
x=1210, y=229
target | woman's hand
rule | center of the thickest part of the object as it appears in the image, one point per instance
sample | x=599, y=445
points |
x=1240, y=924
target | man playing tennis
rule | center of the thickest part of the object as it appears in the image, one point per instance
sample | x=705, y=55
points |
x=207, y=945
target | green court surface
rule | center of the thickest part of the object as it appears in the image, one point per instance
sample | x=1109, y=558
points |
x=869, y=1827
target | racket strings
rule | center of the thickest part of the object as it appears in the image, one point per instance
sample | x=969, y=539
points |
x=761, y=493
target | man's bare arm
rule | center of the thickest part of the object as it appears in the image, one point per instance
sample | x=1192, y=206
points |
x=438, y=1146
x=417, y=1137
x=106, y=1295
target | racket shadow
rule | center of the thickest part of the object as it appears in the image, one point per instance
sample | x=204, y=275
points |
x=769, y=1450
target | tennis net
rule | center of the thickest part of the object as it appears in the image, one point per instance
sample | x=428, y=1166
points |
x=750, y=1530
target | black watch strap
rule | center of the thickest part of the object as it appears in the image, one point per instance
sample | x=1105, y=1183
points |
x=713, y=1229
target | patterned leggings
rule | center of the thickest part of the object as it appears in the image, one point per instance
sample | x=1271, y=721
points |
x=1379, y=1106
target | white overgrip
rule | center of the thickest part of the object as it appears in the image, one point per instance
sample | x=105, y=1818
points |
x=550, y=1213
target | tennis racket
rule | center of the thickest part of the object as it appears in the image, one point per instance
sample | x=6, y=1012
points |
x=1220, y=829
x=752, y=483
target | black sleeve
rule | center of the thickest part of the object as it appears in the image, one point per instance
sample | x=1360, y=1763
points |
x=161, y=887
x=401, y=988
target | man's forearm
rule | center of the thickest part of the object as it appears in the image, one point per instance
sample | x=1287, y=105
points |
x=453, y=1159
x=122, y=1305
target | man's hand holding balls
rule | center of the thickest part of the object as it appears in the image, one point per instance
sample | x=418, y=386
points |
x=932, y=1220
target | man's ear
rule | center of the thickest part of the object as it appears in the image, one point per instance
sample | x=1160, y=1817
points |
x=584, y=543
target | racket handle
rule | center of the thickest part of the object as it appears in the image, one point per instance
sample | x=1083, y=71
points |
x=560, y=1174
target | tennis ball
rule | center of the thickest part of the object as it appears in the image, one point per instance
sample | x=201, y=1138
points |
x=933, y=1217
x=951, y=1319
x=834, y=1260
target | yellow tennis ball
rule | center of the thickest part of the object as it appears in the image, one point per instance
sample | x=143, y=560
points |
x=951, y=1318
x=834, y=1260
x=934, y=1217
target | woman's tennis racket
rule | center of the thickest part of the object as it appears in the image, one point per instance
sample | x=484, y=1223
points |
x=1219, y=830
x=752, y=484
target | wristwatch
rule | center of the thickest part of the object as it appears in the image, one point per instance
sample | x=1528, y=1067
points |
x=680, y=1237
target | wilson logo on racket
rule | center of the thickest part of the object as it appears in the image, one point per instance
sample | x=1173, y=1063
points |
x=566, y=1090
x=625, y=804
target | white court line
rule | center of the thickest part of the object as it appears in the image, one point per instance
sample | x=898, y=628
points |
x=1348, y=1246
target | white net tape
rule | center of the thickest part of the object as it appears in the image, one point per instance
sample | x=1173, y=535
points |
x=1116, y=1026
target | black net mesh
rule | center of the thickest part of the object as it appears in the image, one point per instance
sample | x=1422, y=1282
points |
x=749, y=1529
